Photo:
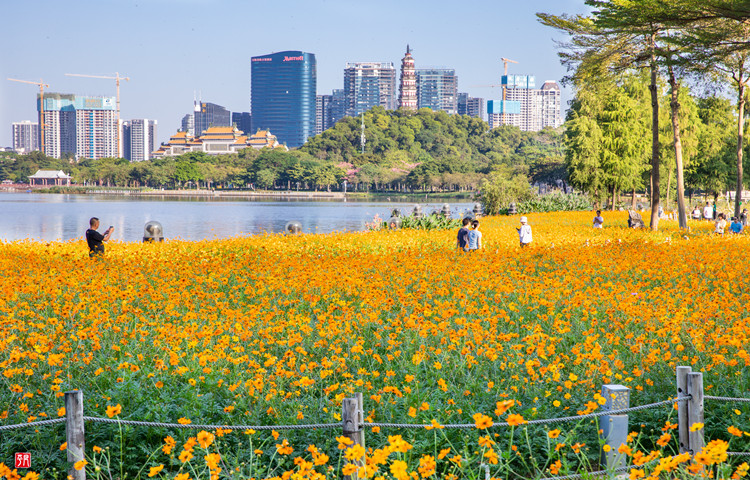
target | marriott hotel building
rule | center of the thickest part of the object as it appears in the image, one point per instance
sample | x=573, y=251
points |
x=283, y=88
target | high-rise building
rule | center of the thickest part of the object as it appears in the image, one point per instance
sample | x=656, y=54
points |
x=437, y=89
x=550, y=104
x=25, y=136
x=243, y=121
x=338, y=105
x=210, y=115
x=80, y=125
x=367, y=84
x=323, y=113
x=525, y=106
x=283, y=89
x=471, y=106
x=139, y=139
x=407, y=90
x=188, y=123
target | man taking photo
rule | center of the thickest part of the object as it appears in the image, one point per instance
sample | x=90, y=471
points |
x=95, y=239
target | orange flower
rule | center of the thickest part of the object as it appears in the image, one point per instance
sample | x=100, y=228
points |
x=515, y=419
x=113, y=410
x=482, y=421
x=553, y=433
x=155, y=470
x=205, y=439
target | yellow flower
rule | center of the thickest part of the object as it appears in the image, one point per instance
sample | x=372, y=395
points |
x=398, y=470
x=80, y=464
x=182, y=476
x=205, y=439
x=185, y=456
x=155, y=470
x=553, y=433
x=482, y=421
x=113, y=410
x=63, y=446
x=696, y=426
x=184, y=421
x=514, y=419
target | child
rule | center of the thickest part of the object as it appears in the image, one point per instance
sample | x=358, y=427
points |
x=524, y=232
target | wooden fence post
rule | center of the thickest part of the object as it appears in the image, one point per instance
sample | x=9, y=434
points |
x=695, y=411
x=351, y=417
x=74, y=433
x=683, y=426
x=614, y=428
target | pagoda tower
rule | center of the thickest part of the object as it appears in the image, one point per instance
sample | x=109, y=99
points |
x=407, y=91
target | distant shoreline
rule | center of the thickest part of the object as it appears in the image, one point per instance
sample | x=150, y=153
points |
x=203, y=193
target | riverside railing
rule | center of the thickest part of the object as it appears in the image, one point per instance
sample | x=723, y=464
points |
x=613, y=427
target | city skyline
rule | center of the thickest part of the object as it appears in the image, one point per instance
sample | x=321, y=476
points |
x=165, y=71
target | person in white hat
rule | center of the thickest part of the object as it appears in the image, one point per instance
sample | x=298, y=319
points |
x=524, y=232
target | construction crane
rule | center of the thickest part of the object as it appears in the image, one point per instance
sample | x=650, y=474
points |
x=117, y=79
x=505, y=88
x=41, y=85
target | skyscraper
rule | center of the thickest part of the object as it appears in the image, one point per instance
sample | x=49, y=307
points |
x=323, y=113
x=437, y=89
x=407, y=90
x=188, y=124
x=338, y=105
x=471, y=106
x=80, y=125
x=243, y=121
x=138, y=139
x=25, y=136
x=283, y=89
x=210, y=115
x=367, y=84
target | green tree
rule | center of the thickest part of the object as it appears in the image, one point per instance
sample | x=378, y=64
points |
x=504, y=186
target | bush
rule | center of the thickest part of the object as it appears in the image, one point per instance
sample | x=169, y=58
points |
x=503, y=187
x=555, y=202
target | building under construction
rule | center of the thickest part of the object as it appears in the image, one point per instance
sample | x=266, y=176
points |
x=83, y=126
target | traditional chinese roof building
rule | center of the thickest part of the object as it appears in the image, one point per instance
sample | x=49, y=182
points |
x=49, y=177
x=217, y=140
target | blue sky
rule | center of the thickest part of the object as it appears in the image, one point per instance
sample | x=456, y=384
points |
x=171, y=48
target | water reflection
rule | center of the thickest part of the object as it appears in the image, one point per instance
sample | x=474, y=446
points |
x=62, y=217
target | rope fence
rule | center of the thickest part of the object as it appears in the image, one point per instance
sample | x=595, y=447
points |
x=613, y=430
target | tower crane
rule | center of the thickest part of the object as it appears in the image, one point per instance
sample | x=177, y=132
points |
x=41, y=85
x=117, y=79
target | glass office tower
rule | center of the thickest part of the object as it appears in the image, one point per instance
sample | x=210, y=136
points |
x=284, y=85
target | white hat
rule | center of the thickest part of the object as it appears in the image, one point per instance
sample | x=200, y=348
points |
x=524, y=219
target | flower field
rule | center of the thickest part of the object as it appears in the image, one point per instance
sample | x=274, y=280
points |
x=273, y=330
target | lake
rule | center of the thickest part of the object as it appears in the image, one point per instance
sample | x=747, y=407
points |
x=63, y=217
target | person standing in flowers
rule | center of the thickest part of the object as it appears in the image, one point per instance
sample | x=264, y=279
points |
x=524, y=232
x=721, y=224
x=598, y=219
x=708, y=213
x=736, y=226
x=474, y=237
x=463, y=235
x=95, y=239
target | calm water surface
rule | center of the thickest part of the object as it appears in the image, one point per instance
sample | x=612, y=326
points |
x=63, y=217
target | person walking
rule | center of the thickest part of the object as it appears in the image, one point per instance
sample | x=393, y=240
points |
x=598, y=220
x=96, y=240
x=474, y=238
x=524, y=232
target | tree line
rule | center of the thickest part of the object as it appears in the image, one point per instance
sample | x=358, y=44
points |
x=631, y=62
x=404, y=151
